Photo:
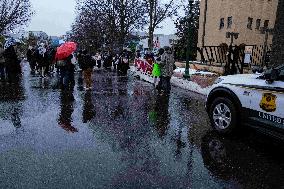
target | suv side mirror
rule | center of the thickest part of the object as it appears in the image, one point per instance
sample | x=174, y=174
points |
x=271, y=75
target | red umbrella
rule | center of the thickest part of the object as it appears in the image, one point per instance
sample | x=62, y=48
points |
x=65, y=50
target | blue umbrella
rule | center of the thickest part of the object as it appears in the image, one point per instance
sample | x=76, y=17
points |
x=9, y=42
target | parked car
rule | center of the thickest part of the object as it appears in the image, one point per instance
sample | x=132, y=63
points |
x=255, y=100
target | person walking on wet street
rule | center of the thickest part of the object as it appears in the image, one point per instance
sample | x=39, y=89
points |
x=13, y=67
x=50, y=60
x=42, y=60
x=31, y=59
x=67, y=73
x=2, y=64
x=87, y=66
x=156, y=73
x=167, y=68
x=124, y=63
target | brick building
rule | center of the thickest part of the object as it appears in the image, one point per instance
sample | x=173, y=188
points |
x=246, y=17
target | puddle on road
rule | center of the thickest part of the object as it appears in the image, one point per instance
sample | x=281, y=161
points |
x=122, y=134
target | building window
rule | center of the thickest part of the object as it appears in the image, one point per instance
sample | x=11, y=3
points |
x=266, y=23
x=222, y=24
x=230, y=22
x=258, y=24
x=250, y=20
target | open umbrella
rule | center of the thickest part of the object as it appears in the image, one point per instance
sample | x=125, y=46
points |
x=65, y=50
x=9, y=42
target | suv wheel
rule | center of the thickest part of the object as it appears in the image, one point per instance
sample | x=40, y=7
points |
x=223, y=115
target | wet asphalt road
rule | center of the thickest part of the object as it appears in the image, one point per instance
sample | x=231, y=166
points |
x=123, y=135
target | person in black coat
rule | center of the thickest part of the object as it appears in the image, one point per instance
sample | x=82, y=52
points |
x=69, y=69
x=31, y=58
x=13, y=67
x=124, y=63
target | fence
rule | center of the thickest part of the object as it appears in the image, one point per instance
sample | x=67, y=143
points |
x=217, y=55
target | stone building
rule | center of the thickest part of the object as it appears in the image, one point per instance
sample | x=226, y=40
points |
x=246, y=17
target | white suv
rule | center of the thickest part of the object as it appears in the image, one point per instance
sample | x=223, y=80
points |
x=248, y=99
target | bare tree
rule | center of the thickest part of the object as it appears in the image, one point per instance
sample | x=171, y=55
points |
x=157, y=12
x=278, y=39
x=113, y=18
x=14, y=13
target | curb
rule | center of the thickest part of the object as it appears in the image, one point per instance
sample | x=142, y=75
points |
x=175, y=81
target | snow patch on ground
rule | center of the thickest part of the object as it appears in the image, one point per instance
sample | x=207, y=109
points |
x=189, y=85
x=192, y=72
x=176, y=81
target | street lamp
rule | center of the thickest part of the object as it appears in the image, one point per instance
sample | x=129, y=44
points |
x=188, y=48
x=232, y=35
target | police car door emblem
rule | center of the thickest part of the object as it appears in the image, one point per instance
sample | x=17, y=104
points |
x=268, y=102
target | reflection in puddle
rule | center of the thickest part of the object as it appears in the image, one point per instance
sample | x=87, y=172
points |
x=67, y=108
x=240, y=160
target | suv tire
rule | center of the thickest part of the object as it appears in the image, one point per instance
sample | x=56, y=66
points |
x=223, y=115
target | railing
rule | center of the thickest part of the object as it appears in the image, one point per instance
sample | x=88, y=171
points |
x=218, y=55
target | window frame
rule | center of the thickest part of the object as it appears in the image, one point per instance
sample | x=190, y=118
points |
x=257, y=24
x=250, y=22
x=265, y=24
x=229, y=24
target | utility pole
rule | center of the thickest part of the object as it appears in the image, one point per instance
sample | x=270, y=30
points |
x=189, y=33
x=232, y=36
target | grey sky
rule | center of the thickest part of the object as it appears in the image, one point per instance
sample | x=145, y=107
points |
x=56, y=16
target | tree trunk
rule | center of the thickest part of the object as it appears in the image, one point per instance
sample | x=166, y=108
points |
x=277, y=57
x=151, y=24
x=151, y=39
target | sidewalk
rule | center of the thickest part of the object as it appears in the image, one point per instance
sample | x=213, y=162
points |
x=200, y=81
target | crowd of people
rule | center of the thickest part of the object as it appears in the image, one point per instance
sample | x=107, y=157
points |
x=44, y=63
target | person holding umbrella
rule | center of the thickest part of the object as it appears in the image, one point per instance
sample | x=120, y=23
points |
x=67, y=68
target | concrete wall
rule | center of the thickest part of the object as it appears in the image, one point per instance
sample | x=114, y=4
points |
x=240, y=10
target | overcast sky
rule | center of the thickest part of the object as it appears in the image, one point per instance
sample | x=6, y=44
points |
x=56, y=16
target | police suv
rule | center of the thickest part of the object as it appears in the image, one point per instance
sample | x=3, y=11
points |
x=255, y=100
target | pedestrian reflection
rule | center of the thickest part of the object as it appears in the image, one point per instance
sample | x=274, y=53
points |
x=180, y=144
x=160, y=115
x=89, y=108
x=67, y=109
x=12, y=92
x=15, y=118
x=118, y=112
x=80, y=82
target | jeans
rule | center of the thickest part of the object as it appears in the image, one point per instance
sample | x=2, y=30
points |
x=165, y=84
x=88, y=77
